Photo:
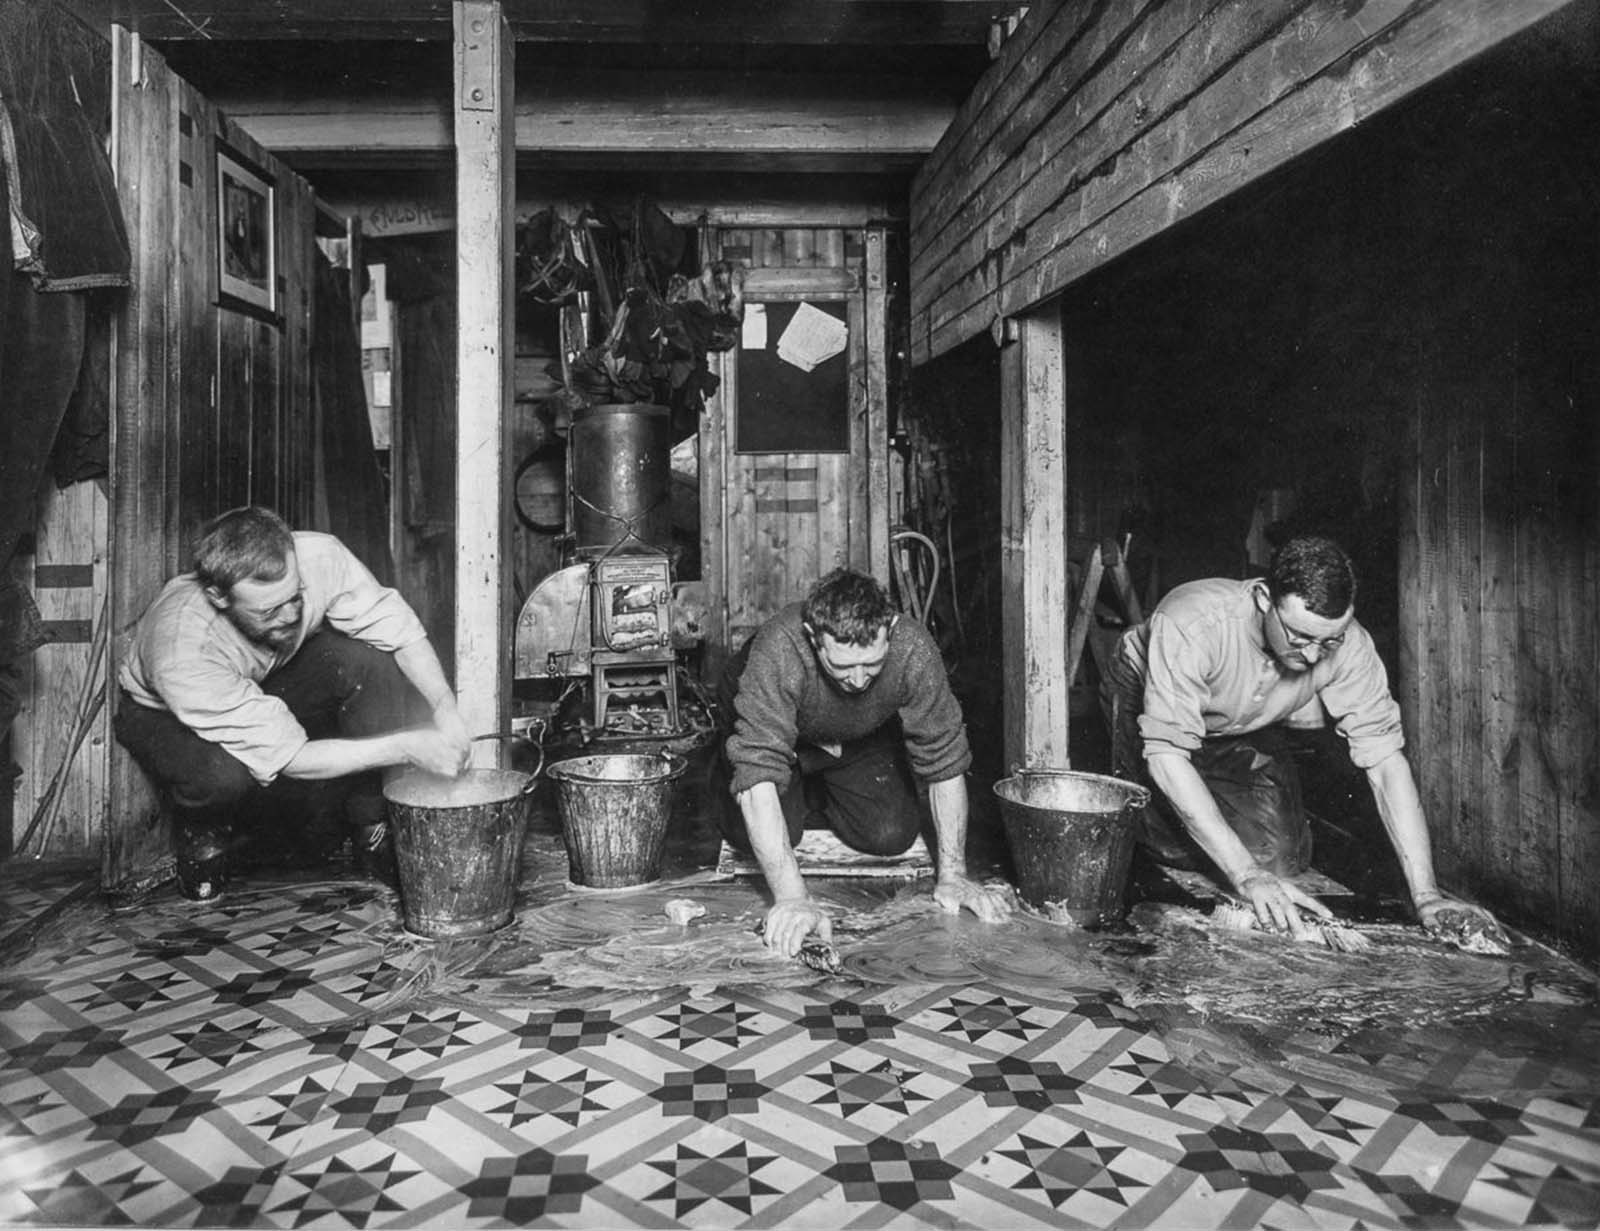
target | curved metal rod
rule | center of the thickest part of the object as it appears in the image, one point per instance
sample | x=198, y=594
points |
x=921, y=601
x=535, y=744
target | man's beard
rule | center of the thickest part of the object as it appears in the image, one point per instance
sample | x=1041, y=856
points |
x=274, y=639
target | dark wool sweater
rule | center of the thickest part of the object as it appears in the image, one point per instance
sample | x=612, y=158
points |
x=784, y=699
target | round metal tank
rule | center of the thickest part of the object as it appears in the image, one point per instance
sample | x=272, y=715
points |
x=621, y=478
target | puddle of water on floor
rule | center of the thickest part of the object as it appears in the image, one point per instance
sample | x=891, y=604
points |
x=1237, y=1002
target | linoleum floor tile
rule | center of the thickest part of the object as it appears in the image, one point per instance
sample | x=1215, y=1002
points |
x=285, y=1059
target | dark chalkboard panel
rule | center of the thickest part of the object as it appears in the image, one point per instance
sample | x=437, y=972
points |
x=783, y=409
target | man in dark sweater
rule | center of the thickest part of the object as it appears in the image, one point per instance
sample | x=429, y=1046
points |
x=840, y=709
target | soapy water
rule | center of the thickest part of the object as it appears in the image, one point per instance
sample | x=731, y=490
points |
x=1216, y=992
x=700, y=932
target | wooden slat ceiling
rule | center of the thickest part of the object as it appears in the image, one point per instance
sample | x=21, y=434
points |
x=650, y=22
x=769, y=87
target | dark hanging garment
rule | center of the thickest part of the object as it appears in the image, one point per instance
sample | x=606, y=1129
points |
x=425, y=325
x=83, y=445
x=41, y=352
x=55, y=107
x=60, y=206
x=357, y=500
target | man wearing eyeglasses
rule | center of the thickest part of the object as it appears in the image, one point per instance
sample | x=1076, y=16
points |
x=267, y=688
x=1205, y=694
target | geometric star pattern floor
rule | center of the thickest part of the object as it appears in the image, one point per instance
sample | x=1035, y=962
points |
x=224, y=1065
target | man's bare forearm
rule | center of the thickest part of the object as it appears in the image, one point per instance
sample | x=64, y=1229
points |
x=1186, y=790
x=321, y=759
x=948, y=802
x=1400, y=808
x=769, y=841
x=420, y=664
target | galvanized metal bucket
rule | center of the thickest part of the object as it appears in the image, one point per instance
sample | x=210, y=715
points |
x=1071, y=837
x=458, y=845
x=614, y=814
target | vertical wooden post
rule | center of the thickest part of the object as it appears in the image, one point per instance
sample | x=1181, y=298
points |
x=1033, y=541
x=713, y=443
x=878, y=510
x=142, y=551
x=485, y=127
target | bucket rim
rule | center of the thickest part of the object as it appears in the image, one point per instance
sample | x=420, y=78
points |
x=672, y=766
x=1138, y=795
x=404, y=789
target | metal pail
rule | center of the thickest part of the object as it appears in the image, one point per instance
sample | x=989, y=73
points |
x=1071, y=837
x=457, y=843
x=614, y=814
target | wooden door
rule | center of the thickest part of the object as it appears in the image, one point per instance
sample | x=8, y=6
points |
x=774, y=520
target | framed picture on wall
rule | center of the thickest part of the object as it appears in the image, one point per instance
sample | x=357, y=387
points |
x=247, y=266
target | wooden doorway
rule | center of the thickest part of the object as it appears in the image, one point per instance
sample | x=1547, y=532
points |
x=793, y=462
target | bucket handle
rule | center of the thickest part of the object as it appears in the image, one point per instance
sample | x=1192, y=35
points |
x=1138, y=794
x=533, y=778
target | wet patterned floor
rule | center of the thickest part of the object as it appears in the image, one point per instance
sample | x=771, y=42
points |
x=291, y=1057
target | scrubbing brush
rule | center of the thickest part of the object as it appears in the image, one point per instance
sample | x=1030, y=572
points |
x=1232, y=916
x=817, y=954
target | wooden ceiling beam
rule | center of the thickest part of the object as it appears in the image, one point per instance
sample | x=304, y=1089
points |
x=895, y=22
x=664, y=118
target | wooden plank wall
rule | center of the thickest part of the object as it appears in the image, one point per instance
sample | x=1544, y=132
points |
x=773, y=523
x=60, y=736
x=1099, y=126
x=212, y=407
x=1500, y=658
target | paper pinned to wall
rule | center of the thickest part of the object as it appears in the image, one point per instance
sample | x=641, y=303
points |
x=754, y=334
x=812, y=336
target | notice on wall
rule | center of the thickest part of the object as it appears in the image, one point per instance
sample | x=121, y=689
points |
x=754, y=333
x=812, y=337
x=783, y=407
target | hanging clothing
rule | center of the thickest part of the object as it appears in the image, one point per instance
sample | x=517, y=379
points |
x=55, y=107
x=357, y=499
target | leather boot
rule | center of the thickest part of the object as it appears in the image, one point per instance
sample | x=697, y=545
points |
x=372, y=845
x=202, y=851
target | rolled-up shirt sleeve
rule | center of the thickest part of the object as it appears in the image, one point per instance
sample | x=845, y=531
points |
x=358, y=605
x=191, y=662
x=1175, y=692
x=220, y=705
x=1364, y=711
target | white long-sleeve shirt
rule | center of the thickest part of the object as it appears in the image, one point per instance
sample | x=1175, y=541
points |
x=187, y=657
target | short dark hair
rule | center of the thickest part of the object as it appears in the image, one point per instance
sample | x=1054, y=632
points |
x=243, y=544
x=1317, y=569
x=850, y=607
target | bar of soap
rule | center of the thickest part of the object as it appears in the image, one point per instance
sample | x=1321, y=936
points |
x=681, y=910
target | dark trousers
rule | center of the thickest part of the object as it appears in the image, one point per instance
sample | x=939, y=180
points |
x=337, y=687
x=1253, y=778
x=867, y=795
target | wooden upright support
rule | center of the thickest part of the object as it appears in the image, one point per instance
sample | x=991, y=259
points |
x=1083, y=616
x=485, y=187
x=1033, y=542
x=878, y=504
